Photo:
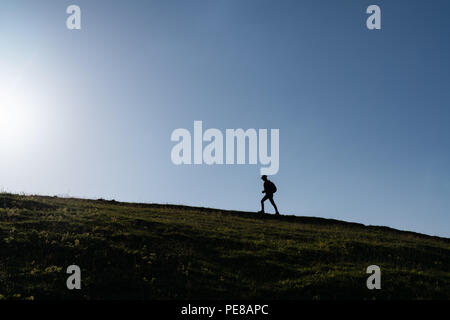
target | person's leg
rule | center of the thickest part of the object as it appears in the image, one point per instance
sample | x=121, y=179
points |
x=274, y=205
x=262, y=202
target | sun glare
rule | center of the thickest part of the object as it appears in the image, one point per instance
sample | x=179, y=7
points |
x=16, y=120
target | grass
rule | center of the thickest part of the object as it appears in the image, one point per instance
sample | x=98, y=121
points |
x=149, y=251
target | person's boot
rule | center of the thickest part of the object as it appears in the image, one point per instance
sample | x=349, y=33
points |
x=277, y=213
x=261, y=212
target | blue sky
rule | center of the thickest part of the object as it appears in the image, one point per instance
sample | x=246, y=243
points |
x=363, y=115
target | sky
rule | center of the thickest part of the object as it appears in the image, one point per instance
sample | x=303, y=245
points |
x=363, y=114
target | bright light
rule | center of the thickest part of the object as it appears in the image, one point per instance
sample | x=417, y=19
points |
x=17, y=127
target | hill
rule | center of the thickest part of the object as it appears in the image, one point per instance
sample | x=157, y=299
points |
x=150, y=251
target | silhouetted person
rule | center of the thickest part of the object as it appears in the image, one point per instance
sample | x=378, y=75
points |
x=269, y=190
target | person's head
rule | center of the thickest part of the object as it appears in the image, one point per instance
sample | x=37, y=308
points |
x=264, y=177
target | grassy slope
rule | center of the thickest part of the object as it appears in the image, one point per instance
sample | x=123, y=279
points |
x=135, y=251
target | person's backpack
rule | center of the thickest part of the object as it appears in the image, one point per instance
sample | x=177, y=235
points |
x=272, y=187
